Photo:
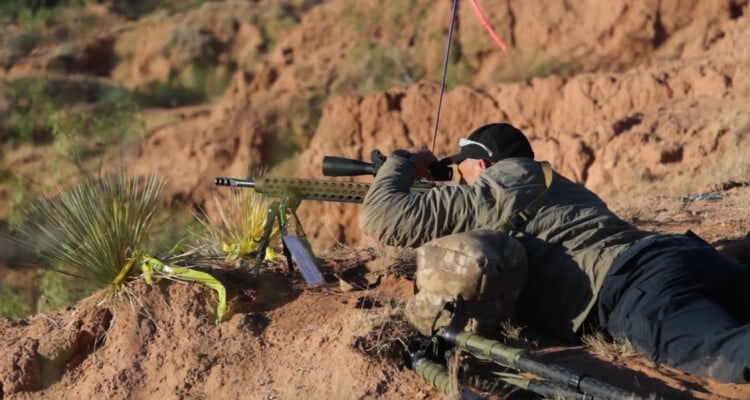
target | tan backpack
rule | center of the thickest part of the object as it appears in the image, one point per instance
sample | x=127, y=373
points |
x=469, y=280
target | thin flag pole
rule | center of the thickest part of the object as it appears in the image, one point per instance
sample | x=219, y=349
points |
x=445, y=70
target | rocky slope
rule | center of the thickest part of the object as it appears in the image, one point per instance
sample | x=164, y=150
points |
x=640, y=92
x=645, y=102
x=665, y=98
x=282, y=341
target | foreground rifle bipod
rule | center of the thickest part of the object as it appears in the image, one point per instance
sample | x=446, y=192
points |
x=520, y=360
x=296, y=246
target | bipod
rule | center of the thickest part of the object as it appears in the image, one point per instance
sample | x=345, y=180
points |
x=295, y=246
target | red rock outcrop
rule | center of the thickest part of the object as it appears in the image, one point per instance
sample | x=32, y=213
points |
x=610, y=131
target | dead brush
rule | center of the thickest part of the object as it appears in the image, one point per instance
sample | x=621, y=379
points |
x=611, y=351
x=401, y=261
x=382, y=332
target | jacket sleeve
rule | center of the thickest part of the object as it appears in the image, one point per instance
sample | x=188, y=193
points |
x=395, y=216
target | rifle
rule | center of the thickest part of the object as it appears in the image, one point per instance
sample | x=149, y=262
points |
x=290, y=192
x=557, y=381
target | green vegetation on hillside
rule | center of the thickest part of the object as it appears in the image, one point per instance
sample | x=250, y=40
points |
x=200, y=82
x=35, y=15
x=13, y=304
x=520, y=65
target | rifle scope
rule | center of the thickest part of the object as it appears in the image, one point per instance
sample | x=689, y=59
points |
x=340, y=166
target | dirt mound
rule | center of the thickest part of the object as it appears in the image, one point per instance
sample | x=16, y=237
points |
x=282, y=341
x=278, y=341
x=163, y=344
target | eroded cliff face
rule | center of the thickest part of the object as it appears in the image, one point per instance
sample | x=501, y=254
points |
x=649, y=128
x=627, y=97
x=622, y=96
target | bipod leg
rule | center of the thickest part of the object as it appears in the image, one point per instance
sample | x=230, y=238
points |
x=301, y=232
x=271, y=216
x=282, y=210
x=296, y=248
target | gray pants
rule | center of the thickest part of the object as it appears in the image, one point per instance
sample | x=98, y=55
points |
x=682, y=303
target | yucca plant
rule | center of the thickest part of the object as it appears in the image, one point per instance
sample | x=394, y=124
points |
x=98, y=230
x=94, y=230
x=234, y=233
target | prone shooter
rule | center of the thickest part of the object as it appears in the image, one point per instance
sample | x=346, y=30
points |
x=291, y=191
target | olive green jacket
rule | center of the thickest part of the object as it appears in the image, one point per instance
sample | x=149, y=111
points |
x=570, y=242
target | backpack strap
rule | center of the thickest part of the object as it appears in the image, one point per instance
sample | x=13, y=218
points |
x=517, y=221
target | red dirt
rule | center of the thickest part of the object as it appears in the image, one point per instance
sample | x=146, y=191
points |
x=281, y=341
x=659, y=99
x=163, y=344
x=657, y=106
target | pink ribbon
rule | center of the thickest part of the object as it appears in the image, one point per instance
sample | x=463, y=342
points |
x=486, y=23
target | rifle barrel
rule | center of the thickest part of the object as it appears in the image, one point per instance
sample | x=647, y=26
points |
x=248, y=183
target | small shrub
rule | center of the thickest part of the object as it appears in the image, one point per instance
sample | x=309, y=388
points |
x=374, y=67
x=13, y=305
x=273, y=20
x=169, y=94
x=201, y=82
x=134, y=9
x=19, y=196
x=15, y=47
x=93, y=231
x=31, y=105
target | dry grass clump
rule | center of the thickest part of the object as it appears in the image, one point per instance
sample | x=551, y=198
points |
x=510, y=330
x=382, y=332
x=340, y=256
x=598, y=345
x=234, y=234
x=401, y=261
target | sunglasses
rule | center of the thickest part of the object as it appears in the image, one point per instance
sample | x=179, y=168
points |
x=474, y=149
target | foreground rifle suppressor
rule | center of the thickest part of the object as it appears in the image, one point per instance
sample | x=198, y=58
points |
x=291, y=191
x=436, y=374
x=518, y=359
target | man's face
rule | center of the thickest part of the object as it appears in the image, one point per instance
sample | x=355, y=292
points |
x=470, y=170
